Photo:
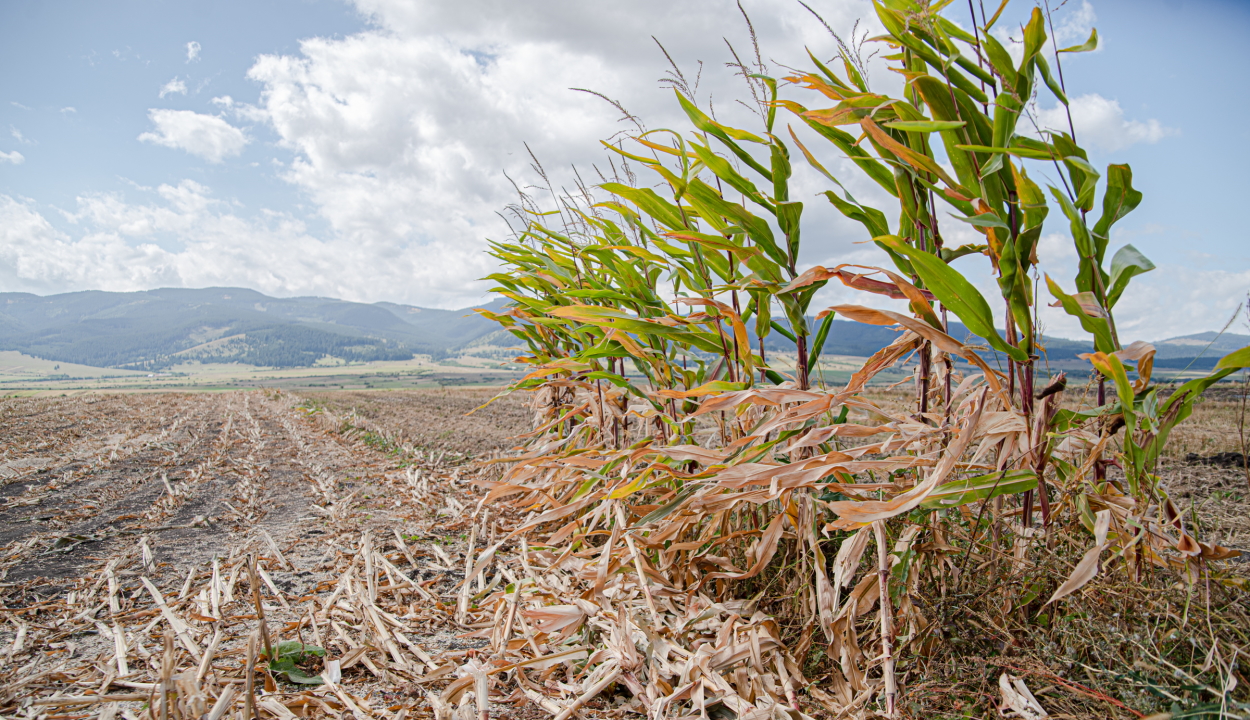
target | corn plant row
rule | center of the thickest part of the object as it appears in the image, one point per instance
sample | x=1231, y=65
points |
x=686, y=481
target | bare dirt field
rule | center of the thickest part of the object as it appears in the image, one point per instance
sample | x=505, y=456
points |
x=129, y=525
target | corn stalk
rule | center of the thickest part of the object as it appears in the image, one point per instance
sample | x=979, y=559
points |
x=676, y=467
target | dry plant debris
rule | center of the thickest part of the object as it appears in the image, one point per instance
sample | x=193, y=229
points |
x=191, y=556
x=272, y=522
x=695, y=492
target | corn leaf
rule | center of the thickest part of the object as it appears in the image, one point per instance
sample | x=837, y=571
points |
x=980, y=487
x=1088, y=45
x=1127, y=263
x=960, y=297
x=924, y=126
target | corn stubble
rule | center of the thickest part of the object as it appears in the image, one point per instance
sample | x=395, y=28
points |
x=715, y=538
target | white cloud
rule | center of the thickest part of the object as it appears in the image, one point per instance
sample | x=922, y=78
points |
x=181, y=236
x=205, y=136
x=1168, y=302
x=69, y=110
x=1180, y=300
x=14, y=157
x=18, y=136
x=18, y=105
x=173, y=86
x=401, y=135
x=1100, y=123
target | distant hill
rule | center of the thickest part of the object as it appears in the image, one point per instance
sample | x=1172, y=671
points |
x=847, y=337
x=1182, y=352
x=158, y=328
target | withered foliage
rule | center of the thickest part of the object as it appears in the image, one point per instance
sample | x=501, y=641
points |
x=711, y=521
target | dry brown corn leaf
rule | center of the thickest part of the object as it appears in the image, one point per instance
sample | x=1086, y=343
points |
x=1088, y=567
x=852, y=514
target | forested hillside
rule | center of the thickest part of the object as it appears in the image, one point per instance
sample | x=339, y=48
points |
x=158, y=328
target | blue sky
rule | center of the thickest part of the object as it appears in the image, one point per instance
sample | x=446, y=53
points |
x=357, y=149
x=83, y=75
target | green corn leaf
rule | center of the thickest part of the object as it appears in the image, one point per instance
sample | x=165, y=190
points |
x=833, y=79
x=822, y=333
x=1055, y=87
x=949, y=254
x=996, y=163
x=1080, y=234
x=960, y=297
x=297, y=650
x=613, y=378
x=724, y=134
x=612, y=318
x=1034, y=39
x=1006, y=114
x=1021, y=152
x=707, y=200
x=1119, y=200
x=764, y=313
x=994, y=18
x=780, y=158
x=1090, y=44
x=954, y=30
x=999, y=58
x=1111, y=368
x=896, y=23
x=600, y=295
x=1096, y=326
x=847, y=144
x=917, y=160
x=287, y=667
x=788, y=218
x=1235, y=360
x=772, y=100
x=924, y=126
x=650, y=203
x=1127, y=263
x=715, y=242
x=872, y=219
x=1088, y=179
x=980, y=487
x=778, y=327
x=1180, y=404
x=723, y=170
x=937, y=95
x=985, y=220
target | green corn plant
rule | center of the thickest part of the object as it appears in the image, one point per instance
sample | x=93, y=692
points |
x=967, y=91
x=668, y=431
x=946, y=110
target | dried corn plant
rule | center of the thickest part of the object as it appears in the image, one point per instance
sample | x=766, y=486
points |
x=682, y=502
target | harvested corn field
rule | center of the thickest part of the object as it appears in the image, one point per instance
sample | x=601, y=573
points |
x=158, y=547
x=214, y=555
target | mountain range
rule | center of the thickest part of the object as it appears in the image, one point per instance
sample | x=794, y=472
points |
x=157, y=328
x=154, y=329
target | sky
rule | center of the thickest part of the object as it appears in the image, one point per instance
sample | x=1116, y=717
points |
x=362, y=149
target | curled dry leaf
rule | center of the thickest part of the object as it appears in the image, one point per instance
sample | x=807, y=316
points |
x=1018, y=701
x=1088, y=567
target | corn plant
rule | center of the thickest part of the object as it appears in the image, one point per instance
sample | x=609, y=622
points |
x=685, y=469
